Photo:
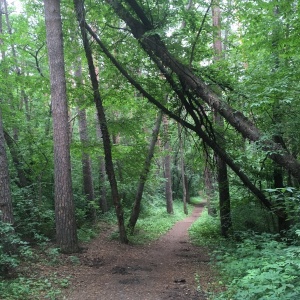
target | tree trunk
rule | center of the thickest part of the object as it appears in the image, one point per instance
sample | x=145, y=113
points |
x=208, y=183
x=66, y=235
x=102, y=177
x=167, y=167
x=6, y=210
x=144, y=174
x=79, y=8
x=88, y=186
x=223, y=182
x=182, y=169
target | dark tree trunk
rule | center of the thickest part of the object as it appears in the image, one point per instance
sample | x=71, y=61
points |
x=79, y=8
x=66, y=236
x=88, y=186
x=6, y=210
x=23, y=180
x=144, y=174
x=167, y=167
x=182, y=169
x=223, y=182
x=102, y=177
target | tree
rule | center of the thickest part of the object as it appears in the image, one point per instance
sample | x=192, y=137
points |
x=66, y=233
x=223, y=181
x=88, y=186
x=143, y=177
x=142, y=30
x=167, y=167
x=182, y=171
x=80, y=12
x=6, y=209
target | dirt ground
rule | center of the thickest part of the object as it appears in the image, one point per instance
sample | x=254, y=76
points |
x=169, y=268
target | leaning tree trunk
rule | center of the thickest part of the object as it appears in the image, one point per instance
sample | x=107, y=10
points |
x=155, y=47
x=102, y=173
x=144, y=174
x=79, y=8
x=197, y=128
x=66, y=235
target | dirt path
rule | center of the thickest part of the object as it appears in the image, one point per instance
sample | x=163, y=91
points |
x=164, y=269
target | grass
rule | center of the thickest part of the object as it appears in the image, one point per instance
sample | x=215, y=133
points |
x=155, y=222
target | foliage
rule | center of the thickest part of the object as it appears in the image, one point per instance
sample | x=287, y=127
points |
x=259, y=267
x=155, y=221
x=33, y=287
x=206, y=230
x=8, y=243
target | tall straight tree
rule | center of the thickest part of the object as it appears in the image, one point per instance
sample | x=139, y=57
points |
x=223, y=182
x=88, y=186
x=167, y=167
x=6, y=210
x=66, y=234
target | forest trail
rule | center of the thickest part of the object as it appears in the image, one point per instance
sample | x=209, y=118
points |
x=164, y=269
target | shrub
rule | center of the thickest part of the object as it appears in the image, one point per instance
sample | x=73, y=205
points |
x=260, y=267
x=206, y=230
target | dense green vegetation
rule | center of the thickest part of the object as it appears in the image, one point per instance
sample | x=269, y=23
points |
x=225, y=74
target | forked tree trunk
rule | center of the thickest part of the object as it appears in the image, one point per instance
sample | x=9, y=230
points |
x=66, y=235
x=144, y=174
x=79, y=8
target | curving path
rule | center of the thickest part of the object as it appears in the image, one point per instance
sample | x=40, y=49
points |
x=164, y=269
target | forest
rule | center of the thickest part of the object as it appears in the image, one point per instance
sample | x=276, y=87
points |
x=129, y=112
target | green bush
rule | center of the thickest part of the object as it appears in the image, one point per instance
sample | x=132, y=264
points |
x=259, y=267
x=9, y=242
x=206, y=230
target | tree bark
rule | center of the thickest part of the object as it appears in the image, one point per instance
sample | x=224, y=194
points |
x=79, y=8
x=102, y=178
x=66, y=235
x=167, y=167
x=223, y=182
x=88, y=186
x=6, y=209
x=182, y=169
x=144, y=174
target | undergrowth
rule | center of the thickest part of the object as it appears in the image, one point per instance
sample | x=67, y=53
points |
x=152, y=223
x=251, y=266
x=33, y=287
